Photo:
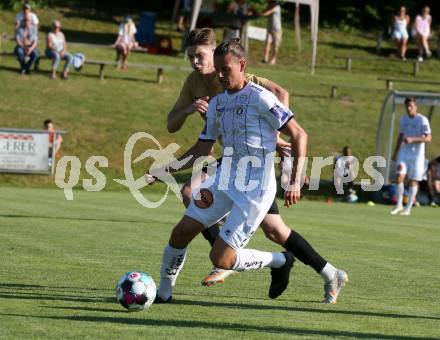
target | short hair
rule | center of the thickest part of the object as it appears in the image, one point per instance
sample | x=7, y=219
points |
x=231, y=46
x=409, y=100
x=201, y=36
x=47, y=122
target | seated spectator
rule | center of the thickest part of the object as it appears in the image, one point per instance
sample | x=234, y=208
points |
x=56, y=49
x=400, y=32
x=422, y=28
x=19, y=19
x=55, y=140
x=274, y=31
x=125, y=41
x=433, y=180
x=26, y=49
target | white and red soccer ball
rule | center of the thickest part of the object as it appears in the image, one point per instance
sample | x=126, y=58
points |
x=136, y=291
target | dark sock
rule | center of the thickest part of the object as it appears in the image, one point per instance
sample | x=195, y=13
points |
x=211, y=233
x=304, y=252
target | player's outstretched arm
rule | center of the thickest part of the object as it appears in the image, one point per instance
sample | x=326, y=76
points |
x=191, y=157
x=299, y=147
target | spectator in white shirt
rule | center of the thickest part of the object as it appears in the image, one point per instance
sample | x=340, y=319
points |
x=125, y=41
x=422, y=27
x=19, y=19
x=57, y=49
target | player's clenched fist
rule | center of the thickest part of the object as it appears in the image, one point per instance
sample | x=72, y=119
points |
x=292, y=195
x=200, y=105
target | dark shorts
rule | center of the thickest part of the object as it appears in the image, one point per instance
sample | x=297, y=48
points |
x=274, y=208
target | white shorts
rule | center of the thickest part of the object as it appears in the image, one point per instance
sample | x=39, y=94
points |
x=413, y=169
x=240, y=223
x=274, y=37
x=400, y=35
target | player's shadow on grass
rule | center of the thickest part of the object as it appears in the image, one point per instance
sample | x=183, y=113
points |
x=23, y=286
x=89, y=309
x=75, y=219
x=237, y=327
x=299, y=309
x=44, y=293
x=55, y=297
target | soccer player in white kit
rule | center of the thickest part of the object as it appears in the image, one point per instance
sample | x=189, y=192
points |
x=414, y=132
x=246, y=117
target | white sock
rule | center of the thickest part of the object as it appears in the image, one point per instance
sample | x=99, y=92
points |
x=400, y=190
x=328, y=272
x=412, y=196
x=250, y=259
x=172, y=263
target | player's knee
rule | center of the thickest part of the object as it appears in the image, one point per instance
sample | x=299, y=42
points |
x=275, y=230
x=220, y=261
x=270, y=233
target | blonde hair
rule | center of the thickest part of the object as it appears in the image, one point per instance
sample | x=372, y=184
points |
x=201, y=36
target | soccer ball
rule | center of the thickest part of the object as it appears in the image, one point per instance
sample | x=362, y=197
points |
x=136, y=291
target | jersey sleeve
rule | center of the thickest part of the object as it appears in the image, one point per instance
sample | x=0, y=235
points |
x=426, y=128
x=273, y=111
x=185, y=97
x=210, y=130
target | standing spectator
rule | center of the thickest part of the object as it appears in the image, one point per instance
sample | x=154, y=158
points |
x=125, y=41
x=185, y=11
x=344, y=167
x=27, y=39
x=400, y=31
x=240, y=9
x=414, y=132
x=422, y=28
x=274, y=31
x=57, y=49
x=19, y=19
x=55, y=140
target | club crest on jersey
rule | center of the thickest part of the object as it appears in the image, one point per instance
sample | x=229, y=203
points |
x=239, y=110
x=279, y=113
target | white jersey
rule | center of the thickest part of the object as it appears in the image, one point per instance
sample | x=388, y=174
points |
x=247, y=122
x=413, y=127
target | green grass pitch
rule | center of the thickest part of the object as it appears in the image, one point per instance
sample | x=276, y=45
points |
x=61, y=260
